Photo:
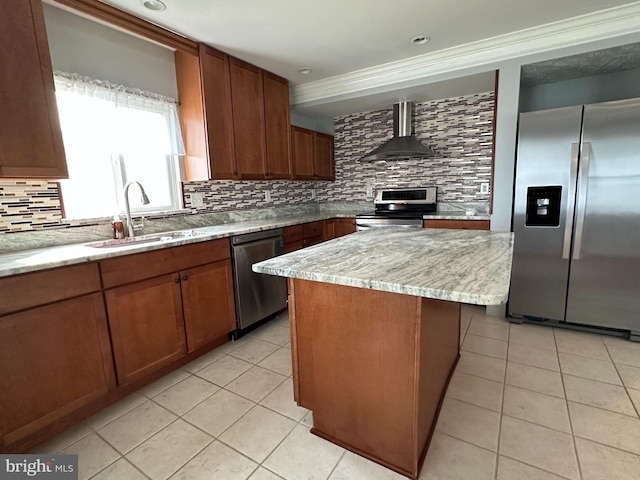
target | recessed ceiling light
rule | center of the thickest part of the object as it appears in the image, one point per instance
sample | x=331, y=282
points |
x=155, y=5
x=420, y=40
x=304, y=71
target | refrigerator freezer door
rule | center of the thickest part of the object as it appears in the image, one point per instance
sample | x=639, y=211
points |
x=604, y=281
x=547, y=159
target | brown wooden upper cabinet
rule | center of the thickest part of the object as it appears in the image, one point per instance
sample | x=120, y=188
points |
x=30, y=137
x=312, y=155
x=234, y=118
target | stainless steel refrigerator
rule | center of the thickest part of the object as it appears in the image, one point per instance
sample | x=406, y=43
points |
x=577, y=216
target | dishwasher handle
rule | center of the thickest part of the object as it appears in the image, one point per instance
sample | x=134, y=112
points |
x=252, y=237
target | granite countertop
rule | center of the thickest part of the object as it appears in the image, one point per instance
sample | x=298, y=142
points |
x=42, y=258
x=466, y=266
x=35, y=259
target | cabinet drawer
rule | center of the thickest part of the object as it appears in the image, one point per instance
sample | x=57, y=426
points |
x=38, y=288
x=292, y=234
x=139, y=266
x=460, y=224
x=312, y=229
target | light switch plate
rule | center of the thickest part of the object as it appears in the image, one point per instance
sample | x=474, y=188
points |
x=484, y=187
x=267, y=196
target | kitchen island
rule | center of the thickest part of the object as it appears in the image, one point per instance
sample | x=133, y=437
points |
x=375, y=326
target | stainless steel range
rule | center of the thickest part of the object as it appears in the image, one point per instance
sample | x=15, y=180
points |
x=399, y=207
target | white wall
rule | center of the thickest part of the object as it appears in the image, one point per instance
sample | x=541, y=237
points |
x=319, y=124
x=82, y=46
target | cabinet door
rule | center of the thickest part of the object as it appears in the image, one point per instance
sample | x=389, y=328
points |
x=344, y=226
x=53, y=360
x=324, y=166
x=302, y=142
x=30, y=137
x=277, y=126
x=328, y=229
x=207, y=296
x=216, y=91
x=248, y=119
x=147, y=327
x=293, y=246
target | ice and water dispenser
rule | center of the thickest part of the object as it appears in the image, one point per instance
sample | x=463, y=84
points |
x=543, y=206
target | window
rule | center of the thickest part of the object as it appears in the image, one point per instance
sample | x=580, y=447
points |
x=113, y=135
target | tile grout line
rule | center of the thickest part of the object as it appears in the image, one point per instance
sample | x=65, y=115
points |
x=624, y=385
x=504, y=387
x=566, y=403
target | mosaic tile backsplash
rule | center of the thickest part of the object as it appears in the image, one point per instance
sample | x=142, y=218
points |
x=459, y=129
x=28, y=205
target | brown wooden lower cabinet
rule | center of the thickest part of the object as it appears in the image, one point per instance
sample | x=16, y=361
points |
x=147, y=326
x=344, y=226
x=460, y=224
x=54, y=360
x=207, y=296
x=154, y=322
x=373, y=367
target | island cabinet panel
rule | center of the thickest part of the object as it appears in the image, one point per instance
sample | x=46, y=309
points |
x=54, y=360
x=344, y=226
x=247, y=95
x=30, y=136
x=147, y=326
x=209, y=310
x=373, y=367
x=277, y=126
x=459, y=224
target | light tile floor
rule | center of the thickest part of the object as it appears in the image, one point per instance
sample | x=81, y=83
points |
x=526, y=402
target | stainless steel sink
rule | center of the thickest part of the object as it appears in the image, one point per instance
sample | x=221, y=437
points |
x=160, y=237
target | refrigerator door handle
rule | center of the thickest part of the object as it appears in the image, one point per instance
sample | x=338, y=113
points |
x=571, y=195
x=582, y=198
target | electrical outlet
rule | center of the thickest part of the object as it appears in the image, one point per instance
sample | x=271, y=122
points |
x=267, y=196
x=197, y=199
x=369, y=191
x=484, y=188
x=314, y=193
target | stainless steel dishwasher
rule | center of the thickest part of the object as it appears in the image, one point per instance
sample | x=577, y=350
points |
x=257, y=295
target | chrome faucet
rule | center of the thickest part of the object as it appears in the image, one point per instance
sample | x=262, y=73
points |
x=131, y=227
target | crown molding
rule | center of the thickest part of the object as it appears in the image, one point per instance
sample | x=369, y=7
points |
x=601, y=25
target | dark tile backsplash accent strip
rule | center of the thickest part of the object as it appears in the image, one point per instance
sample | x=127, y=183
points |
x=459, y=129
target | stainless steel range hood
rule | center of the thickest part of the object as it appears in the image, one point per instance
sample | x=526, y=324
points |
x=404, y=145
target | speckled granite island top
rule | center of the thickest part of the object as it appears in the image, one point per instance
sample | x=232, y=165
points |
x=457, y=265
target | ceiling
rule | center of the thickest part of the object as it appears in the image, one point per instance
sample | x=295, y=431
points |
x=337, y=37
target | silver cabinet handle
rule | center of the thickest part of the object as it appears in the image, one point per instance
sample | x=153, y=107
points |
x=571, y=195
x=581, y=203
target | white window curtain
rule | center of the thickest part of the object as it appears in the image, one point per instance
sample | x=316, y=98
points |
x=114, y=134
